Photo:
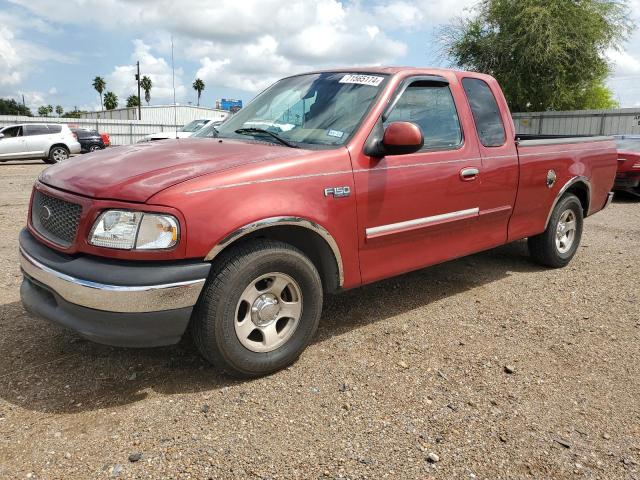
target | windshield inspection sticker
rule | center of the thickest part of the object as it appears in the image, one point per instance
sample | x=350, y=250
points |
x=335, y=133
x=371, y=80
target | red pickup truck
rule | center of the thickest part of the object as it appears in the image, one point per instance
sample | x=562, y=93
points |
x=326, y=181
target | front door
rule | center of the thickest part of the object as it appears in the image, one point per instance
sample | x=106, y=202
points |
x=423, y=208
x=12, y=145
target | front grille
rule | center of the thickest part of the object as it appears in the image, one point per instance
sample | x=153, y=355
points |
x=55, y=219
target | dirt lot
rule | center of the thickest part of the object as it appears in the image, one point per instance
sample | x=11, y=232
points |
x=406, y=378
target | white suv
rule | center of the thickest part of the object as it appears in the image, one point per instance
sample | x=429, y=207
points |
x=50, y=142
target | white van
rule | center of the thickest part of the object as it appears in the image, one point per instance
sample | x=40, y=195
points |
x=51, y=142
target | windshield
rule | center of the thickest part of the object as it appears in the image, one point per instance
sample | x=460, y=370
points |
x=631, y=144
x=320, y=109
x=194, y=126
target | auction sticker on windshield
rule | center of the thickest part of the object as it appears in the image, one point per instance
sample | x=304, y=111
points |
x=371, y=80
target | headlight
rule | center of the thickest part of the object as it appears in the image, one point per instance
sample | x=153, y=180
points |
x=127, y=230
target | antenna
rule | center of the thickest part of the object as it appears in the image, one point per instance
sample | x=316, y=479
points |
x=173, y=79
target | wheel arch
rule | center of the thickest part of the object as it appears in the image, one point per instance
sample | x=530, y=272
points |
x=580, y=186
x=59, y=144
x=311, y=238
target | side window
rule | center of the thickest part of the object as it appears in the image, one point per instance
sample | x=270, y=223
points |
x=486, y=113
x=31, y=130
x=12, y=132
x=430, y=106
x=55, y=128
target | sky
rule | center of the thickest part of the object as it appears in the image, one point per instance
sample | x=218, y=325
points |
x=50, y=50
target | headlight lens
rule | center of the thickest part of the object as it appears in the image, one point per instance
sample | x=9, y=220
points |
x=127, y=230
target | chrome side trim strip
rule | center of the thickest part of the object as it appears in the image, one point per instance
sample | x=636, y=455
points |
x=113, y=298
x=392, y=228
x=275, y=221
x=563, y=141
x=562, y=191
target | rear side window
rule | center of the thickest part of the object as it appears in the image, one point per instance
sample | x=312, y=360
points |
x=55, y=128
x=30, y=130
x=430, y=106
x=486, y=113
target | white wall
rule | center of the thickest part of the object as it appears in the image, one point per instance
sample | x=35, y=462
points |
x=161, y=114
x=122, y=132
x=583, y=122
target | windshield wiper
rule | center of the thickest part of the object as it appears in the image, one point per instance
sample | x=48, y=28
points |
x=262, y=131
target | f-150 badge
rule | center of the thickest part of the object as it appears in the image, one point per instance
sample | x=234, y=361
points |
x=337, y=192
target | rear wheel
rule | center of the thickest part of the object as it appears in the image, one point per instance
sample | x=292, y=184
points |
x=259, y=309
x=95, y=147
x=557, y=245
x=57, y=154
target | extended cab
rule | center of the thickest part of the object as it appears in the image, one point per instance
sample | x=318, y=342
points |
x=326, y=181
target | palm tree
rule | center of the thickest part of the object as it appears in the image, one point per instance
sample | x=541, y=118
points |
x=110, y=100
x=59, y=110
x=42, y=111
x=146, y=85
x=132, y=101
x=49, y=110
x=99, y=84
x=198, y=86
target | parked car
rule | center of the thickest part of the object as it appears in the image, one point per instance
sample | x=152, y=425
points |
x=184, y=132
x=49, y=142
x=90, y=140
x=628, y=176
x=362, y=175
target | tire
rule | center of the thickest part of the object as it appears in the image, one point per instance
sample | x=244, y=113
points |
x=58, y=153
x=245, y=286
x=555, y=247
x=94, y=148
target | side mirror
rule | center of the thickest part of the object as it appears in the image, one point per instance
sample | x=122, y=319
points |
x=401, y=138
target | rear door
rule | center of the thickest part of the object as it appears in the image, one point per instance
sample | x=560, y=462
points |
x=500, y=169
x=38, y=140
x=12, y=145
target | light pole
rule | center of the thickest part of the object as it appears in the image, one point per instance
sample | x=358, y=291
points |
x=139, y=102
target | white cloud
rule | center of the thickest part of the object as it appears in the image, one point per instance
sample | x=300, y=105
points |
x=242, y=44
x=122, y=81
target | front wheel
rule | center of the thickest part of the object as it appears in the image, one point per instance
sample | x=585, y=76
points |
x=259, y=309
x=557, y=245
x=57, y=154
x=95, y=148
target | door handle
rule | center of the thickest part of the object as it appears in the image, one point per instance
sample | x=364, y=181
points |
x=469, y=173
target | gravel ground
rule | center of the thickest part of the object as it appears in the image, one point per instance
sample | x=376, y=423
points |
x=488, y=367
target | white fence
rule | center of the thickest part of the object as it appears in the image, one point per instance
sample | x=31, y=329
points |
x=584, y=122
x=160, y=114
x=122, y=132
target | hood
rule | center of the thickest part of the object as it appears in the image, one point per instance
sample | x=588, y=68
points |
x=137, y=172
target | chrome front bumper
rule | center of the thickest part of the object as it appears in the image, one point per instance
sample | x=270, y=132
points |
x=113, y=298
x=609, y=200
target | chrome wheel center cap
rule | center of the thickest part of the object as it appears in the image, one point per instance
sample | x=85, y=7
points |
x=265, y=310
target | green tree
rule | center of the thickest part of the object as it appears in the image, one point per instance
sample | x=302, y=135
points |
x=546, y=54
x=198, y=86
x=43, y=111
x=59, y=110
x=75, y=113
x=99, y=84
x=8, y=106
x=146, y=85
x=49, y=110
x=132, y=101
x=110, y=100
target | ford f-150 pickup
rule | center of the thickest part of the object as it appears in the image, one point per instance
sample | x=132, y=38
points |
x=325, y=181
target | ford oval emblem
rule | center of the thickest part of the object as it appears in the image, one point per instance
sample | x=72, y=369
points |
x=45, y=213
